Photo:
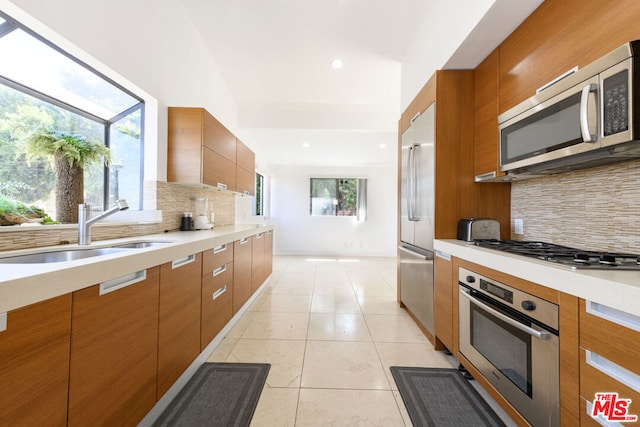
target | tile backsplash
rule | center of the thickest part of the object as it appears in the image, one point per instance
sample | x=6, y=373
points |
x=596, y=208
x=172, y=199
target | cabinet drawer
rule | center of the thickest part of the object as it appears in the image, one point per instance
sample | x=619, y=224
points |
x=216, y=257
x=217, y=297
x=593, y=380
x=608, y=338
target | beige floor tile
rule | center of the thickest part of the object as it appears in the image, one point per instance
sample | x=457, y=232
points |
x=293, y=288
x=257, y=303
x=348, y=408
x=338, y=327
x=282, y=326
x=335, y=304
x=408, y=354
x=223, y=350
x=402, y=408
x=344, y=365
x=297, y=276
x=333, y=288
x=280, y=303
x=285, y=357
x=386, y=328
x=276, y=407
x=374, y=290
x=242, y=325
x=334, y=275
x=380, y=305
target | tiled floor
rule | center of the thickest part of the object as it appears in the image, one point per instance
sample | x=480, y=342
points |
x=330, y=328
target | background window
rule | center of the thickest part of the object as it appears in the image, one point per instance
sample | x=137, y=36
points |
x=259, y=207
x=336, y=196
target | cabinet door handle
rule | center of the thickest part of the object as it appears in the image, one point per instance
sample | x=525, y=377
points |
x=244, y=240
x=619, y=317
x=122, y=282
x=485, y=176
x=3, y=321
x=247, y=192
x=270, y=232
x=183, y=261
x=613, y=370
x=219, y=270
x=220, y=291
x=222, y=186
x=219, y=249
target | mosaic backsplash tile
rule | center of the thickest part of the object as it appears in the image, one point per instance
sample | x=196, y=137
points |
x=596, y=208
x=172, y=199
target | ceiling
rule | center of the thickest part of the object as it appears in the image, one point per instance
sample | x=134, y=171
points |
x=293, y=107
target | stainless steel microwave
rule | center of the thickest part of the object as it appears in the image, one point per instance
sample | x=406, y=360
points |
x=587, y=118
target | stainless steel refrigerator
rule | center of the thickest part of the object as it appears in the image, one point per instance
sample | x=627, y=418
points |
x=417, y=217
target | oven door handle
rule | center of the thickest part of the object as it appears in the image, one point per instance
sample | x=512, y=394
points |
x=507, y=319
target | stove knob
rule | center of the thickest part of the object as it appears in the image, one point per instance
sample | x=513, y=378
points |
x=581, y=258
x=608, y=259
x=528, y=305
x=471, y=279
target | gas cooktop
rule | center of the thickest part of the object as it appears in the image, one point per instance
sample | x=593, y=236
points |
x=564, y=255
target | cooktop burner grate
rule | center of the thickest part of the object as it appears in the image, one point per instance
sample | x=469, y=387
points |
x=564, y=255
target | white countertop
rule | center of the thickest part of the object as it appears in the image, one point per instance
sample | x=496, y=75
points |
x=24, y=284
x=617, y=289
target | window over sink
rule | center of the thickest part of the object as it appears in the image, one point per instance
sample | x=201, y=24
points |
x=44, y=87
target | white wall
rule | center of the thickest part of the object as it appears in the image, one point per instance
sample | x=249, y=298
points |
x=153, y=46
x=298, y=233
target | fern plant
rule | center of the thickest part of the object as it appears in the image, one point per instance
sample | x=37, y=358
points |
x=70, y=154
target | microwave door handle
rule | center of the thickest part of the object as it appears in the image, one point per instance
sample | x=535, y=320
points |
x=584, y=112
x=506, y=319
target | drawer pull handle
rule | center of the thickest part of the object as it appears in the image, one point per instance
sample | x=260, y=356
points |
x=259, y=235
x=3, y=322
x=222, y=186
x=607, y=367
x=246, y=192
x=270, y=232
x=219, y=249
x=244, y=240
x=122, y=282
x=614, y=315
x=183, y=261
x=219, y=270
x=220, y=291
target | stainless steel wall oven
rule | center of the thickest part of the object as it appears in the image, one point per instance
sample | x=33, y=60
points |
x=512, y=338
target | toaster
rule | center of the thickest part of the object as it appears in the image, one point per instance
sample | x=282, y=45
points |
x=470, y=229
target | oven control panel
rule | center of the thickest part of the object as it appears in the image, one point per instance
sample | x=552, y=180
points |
x=523, y=302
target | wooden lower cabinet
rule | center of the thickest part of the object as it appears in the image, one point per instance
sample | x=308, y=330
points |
x=179, y=319
x=242, y=251
x=257, y=262
x=268, y=254
x=114, y=353
x=443, y=288
x=34, y=364
x=217, y=302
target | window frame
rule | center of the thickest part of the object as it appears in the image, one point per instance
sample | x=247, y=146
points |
x=12, y=24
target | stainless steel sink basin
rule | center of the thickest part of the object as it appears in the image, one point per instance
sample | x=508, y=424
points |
x=140, y=245
x=59, y=256
x=75, y=254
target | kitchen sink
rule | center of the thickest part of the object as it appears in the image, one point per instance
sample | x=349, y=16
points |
x=59, y=256
x=75, y=254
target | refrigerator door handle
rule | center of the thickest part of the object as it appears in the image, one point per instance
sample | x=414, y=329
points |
x=410, y=183
x=414, y=183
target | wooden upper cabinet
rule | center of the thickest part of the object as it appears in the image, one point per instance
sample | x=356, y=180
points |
x=245, y=170
x=34, y=364
x=558, y=36
x=200, y=149
x=486, y=138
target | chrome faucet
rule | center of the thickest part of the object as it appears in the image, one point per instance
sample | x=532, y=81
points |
x=84, y=223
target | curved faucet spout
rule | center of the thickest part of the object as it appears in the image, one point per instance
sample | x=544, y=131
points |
x=84, y=223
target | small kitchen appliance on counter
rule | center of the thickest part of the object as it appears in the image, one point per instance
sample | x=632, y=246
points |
x=201, y=221
x=470, y=229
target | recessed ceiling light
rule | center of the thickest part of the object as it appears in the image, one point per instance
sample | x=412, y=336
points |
x=305, y=144
x=382, y=145
x=336, y=64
